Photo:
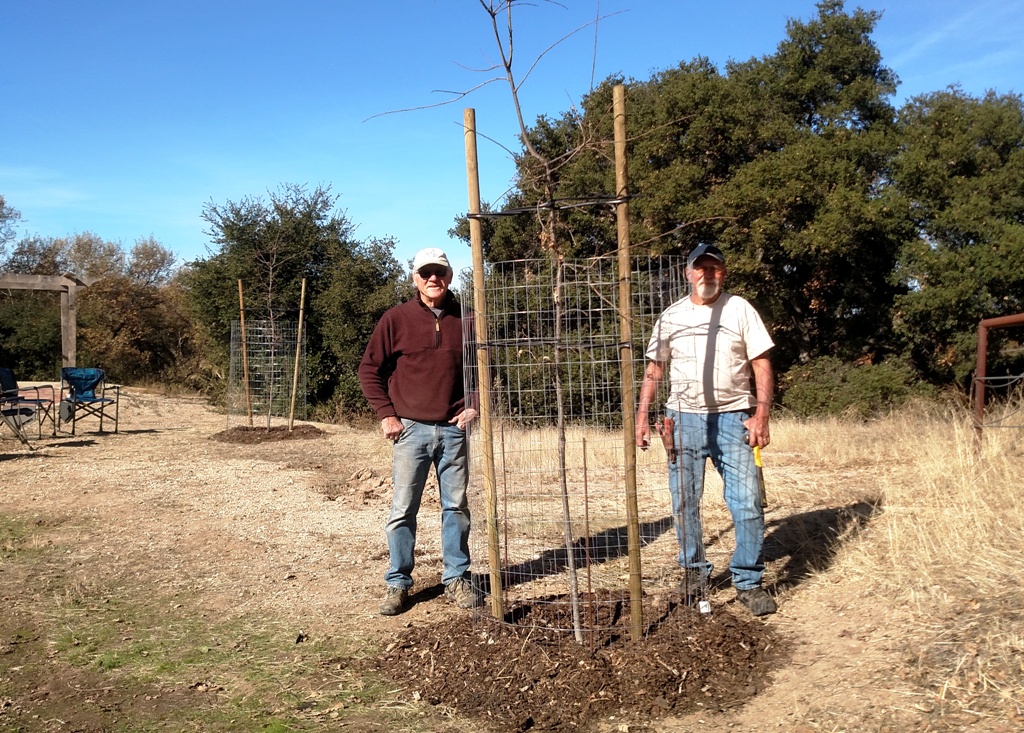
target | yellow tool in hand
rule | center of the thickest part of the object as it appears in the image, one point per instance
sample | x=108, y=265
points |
x=760, y=476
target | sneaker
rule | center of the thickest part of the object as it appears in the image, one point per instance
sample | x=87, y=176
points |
x=395, y=601
x=757, y=600
x=462, y=593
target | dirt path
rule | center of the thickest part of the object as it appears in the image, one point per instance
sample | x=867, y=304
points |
x=293, y=529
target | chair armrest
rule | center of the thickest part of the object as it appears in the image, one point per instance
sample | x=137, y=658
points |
x=38, y=392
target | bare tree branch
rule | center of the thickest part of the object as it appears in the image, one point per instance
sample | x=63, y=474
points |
x=457, y=96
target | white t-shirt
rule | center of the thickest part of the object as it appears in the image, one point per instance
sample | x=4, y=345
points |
x=731, y=332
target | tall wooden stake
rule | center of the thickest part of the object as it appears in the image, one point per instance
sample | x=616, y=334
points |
x=636, y=603
x=298, y=351
x=483, y=362
x=245, y=354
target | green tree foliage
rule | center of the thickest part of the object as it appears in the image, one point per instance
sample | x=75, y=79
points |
x=812, y=229
x=961, y=167
x=30, y=339
x=138, y=332
x=271, y=245
x=130, y=321
x=830, y=386
x=783, y=161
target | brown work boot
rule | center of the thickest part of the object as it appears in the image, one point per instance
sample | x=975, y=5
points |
x=757, y=601
x=395, y=601
x=462, y=593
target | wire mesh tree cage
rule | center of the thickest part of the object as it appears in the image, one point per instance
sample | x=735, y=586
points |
x=553, y=340
x=263, y=368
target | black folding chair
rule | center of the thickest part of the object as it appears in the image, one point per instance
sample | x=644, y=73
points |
x=41, y=401
x=85, y=393
x=14, y=416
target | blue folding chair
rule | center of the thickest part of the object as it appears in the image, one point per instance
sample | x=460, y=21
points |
x=84, y=393
x=30, y=403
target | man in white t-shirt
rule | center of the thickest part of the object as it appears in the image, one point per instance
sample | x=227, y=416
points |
x=715, y=348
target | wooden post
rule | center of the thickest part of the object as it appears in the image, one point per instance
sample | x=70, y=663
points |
x=69, y=322
x=483, y=362
x=298, y=350
x=245, y=354
x=636, y=604
x=67, y=286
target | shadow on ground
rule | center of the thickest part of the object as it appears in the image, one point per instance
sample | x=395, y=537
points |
x=807, y=543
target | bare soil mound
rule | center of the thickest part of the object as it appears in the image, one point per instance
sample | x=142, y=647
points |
x=520, y=678
x=254, y=436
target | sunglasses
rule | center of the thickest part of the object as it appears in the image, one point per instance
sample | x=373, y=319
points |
x=428, y=272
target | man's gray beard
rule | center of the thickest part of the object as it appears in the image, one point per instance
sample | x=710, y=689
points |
x=708, y=290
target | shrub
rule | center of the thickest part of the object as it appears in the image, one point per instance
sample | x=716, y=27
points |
x=829, y=386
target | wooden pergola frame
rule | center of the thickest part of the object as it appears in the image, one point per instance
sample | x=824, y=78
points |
x=67, y=285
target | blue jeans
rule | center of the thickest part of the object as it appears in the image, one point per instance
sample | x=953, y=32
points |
x=420, y=446
x=722, y=438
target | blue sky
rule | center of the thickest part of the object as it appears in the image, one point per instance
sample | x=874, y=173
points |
x=125, y=117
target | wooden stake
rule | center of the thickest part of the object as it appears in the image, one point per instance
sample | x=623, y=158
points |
x=483, y=362
x=636, y=604
x=298, y=351
x=245, y=354
x=586, y=539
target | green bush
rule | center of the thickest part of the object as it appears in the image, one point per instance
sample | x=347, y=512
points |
x=829, y=386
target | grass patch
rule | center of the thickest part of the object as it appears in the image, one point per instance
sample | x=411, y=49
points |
x=112, y=653
x=14, y=534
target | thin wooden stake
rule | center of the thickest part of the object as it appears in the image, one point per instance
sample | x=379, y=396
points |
x=245, y=354
x=586, y=536
x=298, y=351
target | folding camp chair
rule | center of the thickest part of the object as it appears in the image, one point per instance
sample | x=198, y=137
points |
x=85, y=393
x=41, y=401
x=14, y=415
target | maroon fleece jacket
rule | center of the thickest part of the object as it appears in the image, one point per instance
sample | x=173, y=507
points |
x=412, y=367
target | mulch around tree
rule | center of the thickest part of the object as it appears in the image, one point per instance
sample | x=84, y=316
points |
x=522, y=676
x=254, y=435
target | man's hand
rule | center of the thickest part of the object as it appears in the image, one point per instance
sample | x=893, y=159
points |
x=392, y=427
x=643, y=432
x=757, y=430
x=464, y=418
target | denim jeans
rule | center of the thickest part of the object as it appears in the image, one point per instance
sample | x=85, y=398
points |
x=722, y=438
x=420, y=446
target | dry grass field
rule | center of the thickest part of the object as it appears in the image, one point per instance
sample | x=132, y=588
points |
x=161, y=580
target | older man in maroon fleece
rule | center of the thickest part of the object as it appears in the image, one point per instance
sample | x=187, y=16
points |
x=412, y=375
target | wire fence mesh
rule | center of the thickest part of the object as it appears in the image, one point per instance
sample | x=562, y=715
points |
x=262, y=372
x=1005, y=402
x=559, y=450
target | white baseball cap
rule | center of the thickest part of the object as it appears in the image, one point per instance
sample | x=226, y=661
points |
x=430, y=256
